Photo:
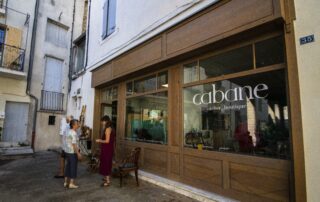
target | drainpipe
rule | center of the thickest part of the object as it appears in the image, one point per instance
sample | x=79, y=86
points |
x=29, y=77
x=87, y=34
x=71, y=48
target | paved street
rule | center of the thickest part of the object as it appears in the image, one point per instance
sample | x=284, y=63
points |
x=31, y=179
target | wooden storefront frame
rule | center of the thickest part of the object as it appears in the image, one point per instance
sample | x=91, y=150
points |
x=156, y=73
x=298, y=165
x=298, y=189
x=225, y=157
x=178, y=151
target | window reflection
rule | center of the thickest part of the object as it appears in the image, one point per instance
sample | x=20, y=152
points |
x=233, y=61
x=109, y=94
x=109, y=104
x=163, y=80
x=146, y=118
x=243, y=115
x=270, y=52
x=190, y=72
x=145, y=84
x=129, y=88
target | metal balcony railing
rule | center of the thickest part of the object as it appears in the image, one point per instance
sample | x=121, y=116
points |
x=11, y=57
x=51, y=101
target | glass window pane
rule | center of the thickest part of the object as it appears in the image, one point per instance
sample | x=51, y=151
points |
x=129, y=88
x=190, y=72
x=79, y=59
x=106, y=95
x=110, y=110
x=111, y=16
x=246, y=115
x=233, y=61
x=105, y=19
x=147, y=118
x=163, y=80
x=115, y=93
x=56, y=34
x=145, y=84
x=270, y=52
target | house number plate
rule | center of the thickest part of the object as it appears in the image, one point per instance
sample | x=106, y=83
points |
x=306, y=39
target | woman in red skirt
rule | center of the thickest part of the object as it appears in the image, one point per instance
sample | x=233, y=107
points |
x=107, y=149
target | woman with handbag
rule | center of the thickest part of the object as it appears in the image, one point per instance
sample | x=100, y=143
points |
x=72, y=155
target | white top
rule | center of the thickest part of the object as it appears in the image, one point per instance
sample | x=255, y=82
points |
x=64, y=129
x=63, y=125
x=65, y=133
x=70, y=139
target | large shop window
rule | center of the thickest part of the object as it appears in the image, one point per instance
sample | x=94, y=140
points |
x=243, y=115
x=147, y=114
x=246, y=114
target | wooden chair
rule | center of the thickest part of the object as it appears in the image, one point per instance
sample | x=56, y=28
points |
x=94, y=161
x=129, y=164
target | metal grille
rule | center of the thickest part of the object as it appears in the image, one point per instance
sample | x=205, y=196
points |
x=11, y=57
x=51, y=101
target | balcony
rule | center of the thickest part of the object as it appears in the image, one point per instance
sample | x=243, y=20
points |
x=2, y=8
x=12, y=61
x=51, y=101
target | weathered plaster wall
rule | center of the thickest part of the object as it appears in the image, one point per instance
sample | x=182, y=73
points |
x=308, y=55
x=11, y=89
x=62, y=12
x=136, y=21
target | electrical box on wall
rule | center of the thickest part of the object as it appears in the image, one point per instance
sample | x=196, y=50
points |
x=2, y=11
x=79, y=94
x=2, y=115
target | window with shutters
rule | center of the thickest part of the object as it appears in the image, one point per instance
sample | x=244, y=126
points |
x=53, y=75
x=52, y=96
x=56, y=33
x=78, y=55
x=2, y=37
x=109, y=18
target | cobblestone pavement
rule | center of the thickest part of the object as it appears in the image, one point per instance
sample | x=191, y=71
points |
x=31, y=179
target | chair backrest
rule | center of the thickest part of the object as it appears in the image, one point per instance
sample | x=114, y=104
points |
x=133, y=158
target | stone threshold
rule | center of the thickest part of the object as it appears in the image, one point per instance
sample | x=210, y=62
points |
x=16, y=151
x=183, y=189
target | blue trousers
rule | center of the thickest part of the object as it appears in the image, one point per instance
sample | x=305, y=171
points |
x=72, y=166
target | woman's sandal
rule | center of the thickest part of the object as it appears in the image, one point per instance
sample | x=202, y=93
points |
x=73, y=186
x=105, y=184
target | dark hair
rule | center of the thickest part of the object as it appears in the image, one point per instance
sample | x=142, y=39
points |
x=72, y=122
x=107, y=120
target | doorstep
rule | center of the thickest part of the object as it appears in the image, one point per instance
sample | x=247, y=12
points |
x=8, y=144
x=183, y=189
x=16, y=151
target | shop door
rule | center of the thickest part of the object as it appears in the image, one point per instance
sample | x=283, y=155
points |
x=111, y=111
x=15, y=122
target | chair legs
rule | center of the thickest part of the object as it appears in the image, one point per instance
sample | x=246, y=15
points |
x=121, y=174
x=120, y=179
x=136, y=174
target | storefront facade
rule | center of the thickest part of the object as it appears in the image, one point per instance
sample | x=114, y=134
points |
x=212, y=102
